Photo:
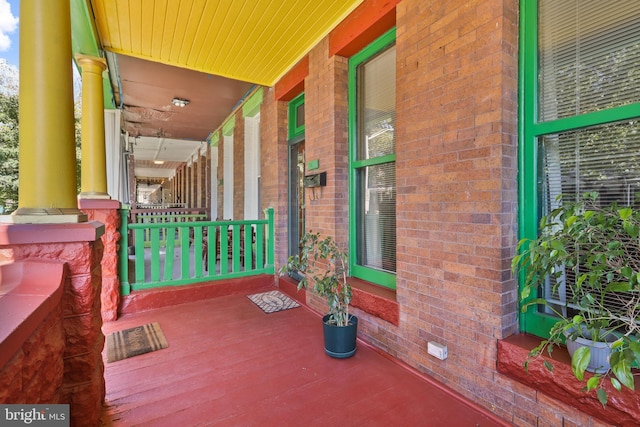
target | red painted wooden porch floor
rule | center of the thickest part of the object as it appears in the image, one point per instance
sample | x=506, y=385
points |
x=230, y=364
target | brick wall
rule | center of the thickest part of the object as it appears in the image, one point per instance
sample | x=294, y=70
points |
x=326, y=112
x=456, y=171
x=456, y=190
x=273, y=167
x=326, y=141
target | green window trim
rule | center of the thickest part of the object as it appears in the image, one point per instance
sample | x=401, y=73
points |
x=294, y=129
x=382, y=278
x=530, y=128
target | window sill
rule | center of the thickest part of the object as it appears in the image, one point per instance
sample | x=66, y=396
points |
x=29, y=291
x=623, y=407
x=373, y=299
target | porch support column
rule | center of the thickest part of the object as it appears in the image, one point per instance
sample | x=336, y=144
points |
x=94, y=158
x=47, y=155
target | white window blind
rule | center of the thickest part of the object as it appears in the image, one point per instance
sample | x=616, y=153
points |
x=589, y=56
x=376, y=181
x=589, y=61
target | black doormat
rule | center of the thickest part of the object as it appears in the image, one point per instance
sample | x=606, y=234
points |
x=273, y=301
x=135, y=341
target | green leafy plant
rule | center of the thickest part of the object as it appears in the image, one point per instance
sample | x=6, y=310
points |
x=593, y=250
x=326, y=264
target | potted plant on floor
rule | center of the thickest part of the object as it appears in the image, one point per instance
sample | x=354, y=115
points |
x=589, y=251
x=326, y=264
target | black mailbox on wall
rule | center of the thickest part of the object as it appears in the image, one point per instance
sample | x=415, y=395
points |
x=315, y=180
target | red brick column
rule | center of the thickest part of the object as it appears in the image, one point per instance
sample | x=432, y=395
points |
x=273, y=158
x=106, y=212
x=326, y=141
x=79, y=246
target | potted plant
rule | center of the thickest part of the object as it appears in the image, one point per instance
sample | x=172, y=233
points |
x=590, y=251
x=326, y=264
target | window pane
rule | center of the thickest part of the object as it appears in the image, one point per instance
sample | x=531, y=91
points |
x=589, y=53
x=300, y=115
x=377, y=217
x=377, y=105
x=604, y=158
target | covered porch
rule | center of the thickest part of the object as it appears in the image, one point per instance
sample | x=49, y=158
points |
x=229, y=363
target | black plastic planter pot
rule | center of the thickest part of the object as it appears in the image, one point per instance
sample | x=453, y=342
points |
x=340, y=341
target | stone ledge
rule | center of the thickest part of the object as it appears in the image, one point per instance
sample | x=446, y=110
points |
x=376, y=300
x=29, y=291
x=622, y=409
x=18, y=234
x=373, y=299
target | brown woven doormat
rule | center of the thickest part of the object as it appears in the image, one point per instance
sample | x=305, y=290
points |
x=135, y=341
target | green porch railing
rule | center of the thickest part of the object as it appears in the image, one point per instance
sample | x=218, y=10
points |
x=165, y=216
x=170, y=253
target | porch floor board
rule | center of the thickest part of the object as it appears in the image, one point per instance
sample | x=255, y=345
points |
x=230, y=364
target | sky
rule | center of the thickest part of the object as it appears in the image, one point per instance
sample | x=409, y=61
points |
x=9, y=11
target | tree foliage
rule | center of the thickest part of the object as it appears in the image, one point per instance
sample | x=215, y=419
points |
x=8, y=152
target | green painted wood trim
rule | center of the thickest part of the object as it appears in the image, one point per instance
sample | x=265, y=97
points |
x=211, y=248
x=260, y=255
x=169, y=253
x=371, y=275
x=215, y=139
x=178, y=233
x=294, y=130
x=155, y=254
x=139, y=255
x=251, y=106
x=185, y=264
x=611, y=115
x=227, y=128
x=530, y=129
x=84, y=40
x=389, y=158
x=123, y=252
x=197, y=251
x=269, y=266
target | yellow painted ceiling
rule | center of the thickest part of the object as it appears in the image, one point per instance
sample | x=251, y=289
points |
x=256, y=41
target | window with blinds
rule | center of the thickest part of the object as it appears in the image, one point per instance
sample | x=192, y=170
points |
x=585, y=120
x=589, y=56
x=372, y=162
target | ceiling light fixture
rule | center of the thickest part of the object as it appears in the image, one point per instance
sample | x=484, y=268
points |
x=158, y=162
x=179, y=102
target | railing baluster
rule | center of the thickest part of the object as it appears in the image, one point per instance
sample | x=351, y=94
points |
x=269, y=266
x=248, y=247
x=224, y=249
x=260, y=246
x=244, y=247
x=139, y=254
x=211, y=251
x=235, y=252
x=197, y=250
x=184, y=241
x=169, y=253
x=155, y=254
